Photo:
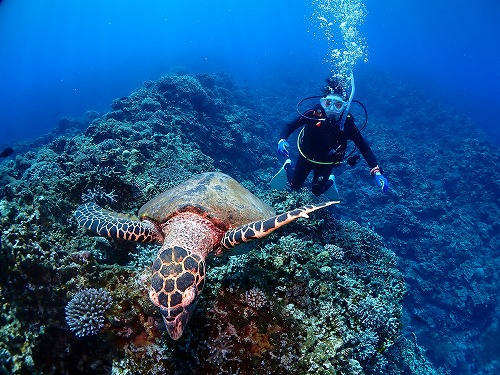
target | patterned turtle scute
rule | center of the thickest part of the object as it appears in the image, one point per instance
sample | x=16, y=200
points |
x=208, y=213
x=220, y=197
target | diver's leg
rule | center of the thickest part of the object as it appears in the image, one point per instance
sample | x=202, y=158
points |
x=321, y=181
x=297, y=176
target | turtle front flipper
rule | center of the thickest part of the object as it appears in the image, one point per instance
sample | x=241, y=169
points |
x=261, y=228
x=114, y=225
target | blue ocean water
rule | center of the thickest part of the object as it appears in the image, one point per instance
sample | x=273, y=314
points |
x=61, y=58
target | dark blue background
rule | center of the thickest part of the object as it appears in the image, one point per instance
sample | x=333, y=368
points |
x=60, y=58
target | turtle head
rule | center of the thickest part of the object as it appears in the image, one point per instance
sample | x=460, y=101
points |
x=177, y=280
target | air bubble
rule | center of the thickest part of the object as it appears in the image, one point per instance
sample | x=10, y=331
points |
x=337, y=22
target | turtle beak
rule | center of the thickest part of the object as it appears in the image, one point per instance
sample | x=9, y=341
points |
x=176, y=284
x=175, y=326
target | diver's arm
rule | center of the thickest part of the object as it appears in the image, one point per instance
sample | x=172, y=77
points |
x=289, y=128
x=300, y=121
x=355, y=135
x=376, y=171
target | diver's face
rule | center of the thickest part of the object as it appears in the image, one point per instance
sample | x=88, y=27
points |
x=333, y=105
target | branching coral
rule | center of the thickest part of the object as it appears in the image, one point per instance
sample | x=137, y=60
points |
x=85, y=311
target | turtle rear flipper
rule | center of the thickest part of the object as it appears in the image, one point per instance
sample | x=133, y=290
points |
x=261, y=228
x=114, y=225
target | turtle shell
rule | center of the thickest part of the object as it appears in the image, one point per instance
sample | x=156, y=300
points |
x=214, y=195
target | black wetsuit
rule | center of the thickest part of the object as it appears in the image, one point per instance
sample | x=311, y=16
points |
x=322, y=146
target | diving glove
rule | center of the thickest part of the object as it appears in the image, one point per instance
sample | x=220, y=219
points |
x=283, y=147
x=381, y=181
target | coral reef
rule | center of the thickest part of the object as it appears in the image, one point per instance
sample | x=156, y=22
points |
x=322, y=296
x=441, y=217
x=315, y=314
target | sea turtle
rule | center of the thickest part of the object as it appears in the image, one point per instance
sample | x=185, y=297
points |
x=210, y=212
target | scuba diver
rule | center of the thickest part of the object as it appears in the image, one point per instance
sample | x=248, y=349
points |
x=322, y=143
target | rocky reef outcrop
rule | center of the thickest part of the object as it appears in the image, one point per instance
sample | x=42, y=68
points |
x=321, y=296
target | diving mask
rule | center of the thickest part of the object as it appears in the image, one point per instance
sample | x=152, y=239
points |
x=333, y=104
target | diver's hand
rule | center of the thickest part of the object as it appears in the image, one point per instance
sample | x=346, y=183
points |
x=283, y=147
x=381, y=181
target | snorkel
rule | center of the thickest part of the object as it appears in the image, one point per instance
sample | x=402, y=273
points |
x=346, y=110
